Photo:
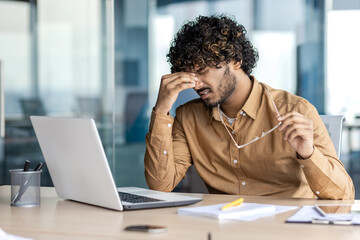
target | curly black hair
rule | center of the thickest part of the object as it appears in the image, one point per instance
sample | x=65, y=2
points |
x=209, y=41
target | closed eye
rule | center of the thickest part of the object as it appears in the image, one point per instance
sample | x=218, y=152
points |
x=203, y=72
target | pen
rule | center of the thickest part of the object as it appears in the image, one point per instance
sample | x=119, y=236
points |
x=39, y=166
x=22, y=183
x=26, y=166
x=235, y=203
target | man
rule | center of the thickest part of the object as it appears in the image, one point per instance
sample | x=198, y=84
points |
x=243, y=136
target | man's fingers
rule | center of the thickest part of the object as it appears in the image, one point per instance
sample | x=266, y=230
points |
x=294, y=124
x=295, y=130
x=292, y=119
x=175, y=89
x=304, y=134
x=166, y=79
x=183, y=81
x=298, y=132
x=170, y=86
x=179, y=74
x=289, y=114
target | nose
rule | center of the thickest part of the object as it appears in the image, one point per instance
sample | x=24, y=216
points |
x=198, y=84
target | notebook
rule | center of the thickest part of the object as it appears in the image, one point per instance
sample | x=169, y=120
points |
x=243, y=211
x=78, y=167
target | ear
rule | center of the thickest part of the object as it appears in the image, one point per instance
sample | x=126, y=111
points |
x=237, y=65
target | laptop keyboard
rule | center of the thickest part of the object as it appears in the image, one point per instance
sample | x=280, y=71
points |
x=133, y=198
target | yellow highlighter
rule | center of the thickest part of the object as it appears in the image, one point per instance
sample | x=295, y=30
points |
x=235, y=203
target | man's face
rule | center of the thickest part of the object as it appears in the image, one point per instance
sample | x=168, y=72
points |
x=215, y=85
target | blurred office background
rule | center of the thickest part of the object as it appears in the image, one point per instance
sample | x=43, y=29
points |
x=104, y=59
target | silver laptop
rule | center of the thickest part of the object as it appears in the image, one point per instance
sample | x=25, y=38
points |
x=79, y=169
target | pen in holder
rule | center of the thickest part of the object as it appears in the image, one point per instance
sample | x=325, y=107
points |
x=25, y=187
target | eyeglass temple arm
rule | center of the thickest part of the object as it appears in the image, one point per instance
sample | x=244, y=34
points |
x=272, y=100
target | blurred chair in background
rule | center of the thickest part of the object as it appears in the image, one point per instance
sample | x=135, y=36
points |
x=89, y=107
x=22, y=127
x=334, y=125
x=32, y=106
x=136, y=123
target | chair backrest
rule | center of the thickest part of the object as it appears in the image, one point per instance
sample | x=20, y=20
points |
x=32, y=106
x=89, y=107
x=333, y=124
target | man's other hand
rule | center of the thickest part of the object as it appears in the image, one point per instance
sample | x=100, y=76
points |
x=298, y=132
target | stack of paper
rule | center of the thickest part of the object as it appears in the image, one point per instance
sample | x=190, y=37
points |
x=246, y=211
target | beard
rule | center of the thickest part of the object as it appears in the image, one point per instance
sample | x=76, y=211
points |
x=225, y=88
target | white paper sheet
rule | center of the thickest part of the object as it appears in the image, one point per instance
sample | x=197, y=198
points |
x=304, y=215
x=307, y=213
x=5, y=236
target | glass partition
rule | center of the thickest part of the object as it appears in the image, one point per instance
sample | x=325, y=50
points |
x=53, y=56
x=131, y=90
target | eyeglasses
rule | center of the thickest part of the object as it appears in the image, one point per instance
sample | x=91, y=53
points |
x=256, y=137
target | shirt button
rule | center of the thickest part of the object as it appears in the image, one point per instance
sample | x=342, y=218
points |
x=165, y=152
x=302, y=166
x=244, y=114
x=169, y=125
x=317, y=192
x=235, y=161
x=243, y=183
x=233, y=132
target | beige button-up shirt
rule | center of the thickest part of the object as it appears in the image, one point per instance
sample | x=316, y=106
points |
x=267, y=167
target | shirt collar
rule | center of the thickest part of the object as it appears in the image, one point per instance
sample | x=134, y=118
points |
x=250, y=107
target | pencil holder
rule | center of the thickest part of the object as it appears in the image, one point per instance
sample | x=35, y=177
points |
x=25, y=188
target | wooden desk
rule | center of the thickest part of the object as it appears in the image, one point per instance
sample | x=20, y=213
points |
x=61, y=219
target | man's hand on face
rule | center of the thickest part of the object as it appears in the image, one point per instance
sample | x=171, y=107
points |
x=298, y=132
x=170, y=87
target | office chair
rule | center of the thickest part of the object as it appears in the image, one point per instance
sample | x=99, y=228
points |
x=32, y=106
x=90, y=107
x=136, y=124
x=333, y=124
